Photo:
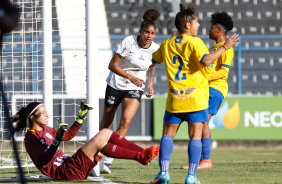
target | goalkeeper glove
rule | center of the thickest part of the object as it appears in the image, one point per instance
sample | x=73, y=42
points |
x=83, y=112
x=61, y=129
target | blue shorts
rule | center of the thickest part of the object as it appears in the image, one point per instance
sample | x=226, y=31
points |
x=190, y=117
x=215, y=100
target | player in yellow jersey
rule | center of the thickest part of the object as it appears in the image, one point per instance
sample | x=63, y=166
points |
x=184, y=56
x=217, y=74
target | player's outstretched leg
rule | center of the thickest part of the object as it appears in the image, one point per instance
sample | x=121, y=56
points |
x=122, y=142
x=118, y=151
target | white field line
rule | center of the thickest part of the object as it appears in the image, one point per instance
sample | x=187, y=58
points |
x=96, y=179
x=101, y=180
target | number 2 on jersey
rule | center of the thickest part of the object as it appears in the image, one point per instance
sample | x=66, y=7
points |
x=177, y=78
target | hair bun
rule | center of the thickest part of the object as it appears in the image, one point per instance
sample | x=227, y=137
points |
x=189, y=9
x=151, y=15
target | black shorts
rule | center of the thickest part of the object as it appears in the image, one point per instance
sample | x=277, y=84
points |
x=114, y=97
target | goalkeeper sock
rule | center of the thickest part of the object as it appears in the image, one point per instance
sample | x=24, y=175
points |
x=194, y=153
x=206, y=150
x=122, y=142
x=166, y=149
x=115, y=151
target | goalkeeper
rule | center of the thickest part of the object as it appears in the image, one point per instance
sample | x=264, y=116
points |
x=42, y=144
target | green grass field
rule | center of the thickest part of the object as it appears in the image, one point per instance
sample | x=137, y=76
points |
x=234, y=166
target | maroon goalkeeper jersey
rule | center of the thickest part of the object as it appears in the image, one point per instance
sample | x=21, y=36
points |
x=52, y=161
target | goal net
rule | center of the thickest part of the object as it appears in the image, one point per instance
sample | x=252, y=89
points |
x=25, y=76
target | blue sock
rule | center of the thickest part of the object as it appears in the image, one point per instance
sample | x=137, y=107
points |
x=194, y=153
x=206, y=150
x=166, y=148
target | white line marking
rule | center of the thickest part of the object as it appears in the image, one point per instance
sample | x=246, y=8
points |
x=101, y=180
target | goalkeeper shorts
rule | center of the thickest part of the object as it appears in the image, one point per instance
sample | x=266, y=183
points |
x=77, y=167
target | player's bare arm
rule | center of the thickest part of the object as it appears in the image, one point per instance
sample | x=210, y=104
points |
x=151, y=75
x=114, y=67
x=230, y=42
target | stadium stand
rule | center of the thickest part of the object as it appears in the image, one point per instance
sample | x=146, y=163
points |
x=260, y=60
x=257, y=21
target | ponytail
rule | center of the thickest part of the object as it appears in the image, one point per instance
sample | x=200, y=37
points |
x=185, y=15
x=22, y=117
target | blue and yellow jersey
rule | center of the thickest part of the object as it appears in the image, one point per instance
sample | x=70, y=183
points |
x=188, y=89
x=217, y=72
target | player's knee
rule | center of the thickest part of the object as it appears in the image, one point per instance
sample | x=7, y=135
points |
x=101, y=138
x=125, y=123
x=106, y=131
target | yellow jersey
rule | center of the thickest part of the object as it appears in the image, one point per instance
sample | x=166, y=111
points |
x=217, y=72
x=188, y=89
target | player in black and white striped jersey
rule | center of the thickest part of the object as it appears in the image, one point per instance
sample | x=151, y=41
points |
x=126, y=80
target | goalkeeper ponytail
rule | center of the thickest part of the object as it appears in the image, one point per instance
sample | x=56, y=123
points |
x=22, y=116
